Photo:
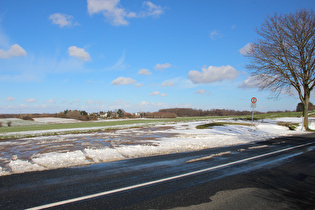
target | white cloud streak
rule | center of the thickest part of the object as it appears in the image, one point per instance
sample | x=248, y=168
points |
x=153, y=10
x=30, y=100
x=213, y=74
x=79, y=53
x=116, y=15
x=123, y=81
x=155, y=93
x=158, y=93
x=161, y=66
x=167, y=84
x=63, y=20
x=14, y=51
x=215, y=34
x=144, y=72
x=250, y=82
x=10, y=98
x=246, y=49
x=201, y=91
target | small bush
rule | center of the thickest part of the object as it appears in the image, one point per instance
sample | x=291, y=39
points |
x=210, y=125
x=0, y=124
x=9, y=123
x=291, y=126
x=27, y=117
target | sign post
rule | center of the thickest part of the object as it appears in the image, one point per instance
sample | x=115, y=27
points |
x=253, y=105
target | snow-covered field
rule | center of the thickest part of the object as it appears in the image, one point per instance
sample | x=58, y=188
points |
x=50, y=152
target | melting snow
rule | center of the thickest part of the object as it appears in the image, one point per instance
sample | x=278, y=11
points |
x=51, y=152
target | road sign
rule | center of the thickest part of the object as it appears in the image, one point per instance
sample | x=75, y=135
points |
x=253, y=100
x=253, y=105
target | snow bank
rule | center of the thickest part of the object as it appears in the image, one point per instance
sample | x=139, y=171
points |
x=103, y=155
x=21, y=166
x=60, y=160
x=51, y=152
x=55, y=120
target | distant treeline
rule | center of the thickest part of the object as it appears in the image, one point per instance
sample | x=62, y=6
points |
x=71, y=114
x=189, y=112
x=27, y=116
x=162, y=113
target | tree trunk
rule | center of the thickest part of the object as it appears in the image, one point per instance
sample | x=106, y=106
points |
x=305, y=110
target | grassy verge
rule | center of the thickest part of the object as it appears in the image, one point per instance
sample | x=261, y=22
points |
x=210, y=125
x=269, y=116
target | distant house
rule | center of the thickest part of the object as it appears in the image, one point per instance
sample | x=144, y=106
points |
x=103, y=115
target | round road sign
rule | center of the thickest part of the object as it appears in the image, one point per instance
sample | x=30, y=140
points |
x=253, y=100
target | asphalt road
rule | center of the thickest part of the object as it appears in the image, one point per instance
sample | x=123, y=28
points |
x=275, y=174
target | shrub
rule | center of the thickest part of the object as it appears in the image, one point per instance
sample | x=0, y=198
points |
x=9, y=123
x=27, y=117
x=291, y=126
x=210, y=125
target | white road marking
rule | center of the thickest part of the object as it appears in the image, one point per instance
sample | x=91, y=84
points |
x=161, y=180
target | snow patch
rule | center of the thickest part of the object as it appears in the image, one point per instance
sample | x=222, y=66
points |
x=21, y=166
x=102, y=155
x=55, y=160
x=55, y=120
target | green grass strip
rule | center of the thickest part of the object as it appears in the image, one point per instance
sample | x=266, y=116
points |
x=210, y=125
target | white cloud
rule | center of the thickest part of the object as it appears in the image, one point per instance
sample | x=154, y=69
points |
x=213, y=74
x=123, y=81
x=119, y=65
x=158, y=93
x=144, y=103
x=167, y=84
x=138, y=85
x=250, y=82
x=153, y=10
x=155, y=93
x=96, y=6
x=144, y=72
x=79, y=53
x=4, y=39
x=201, y=91
x=14, y=51
x=30, y=100
x=51, y=101
x=246, y=49
x=117, y=15
x=162, y=66
x=10, y=98
x=62, y=20
x=215, y=34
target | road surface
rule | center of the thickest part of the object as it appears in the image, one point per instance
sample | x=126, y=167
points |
x=275, y=174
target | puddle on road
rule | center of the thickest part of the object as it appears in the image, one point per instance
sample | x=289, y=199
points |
x=25, y=149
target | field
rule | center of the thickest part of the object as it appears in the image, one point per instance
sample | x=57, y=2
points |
x=64, y=127
x=50, y=143
x=25, y=128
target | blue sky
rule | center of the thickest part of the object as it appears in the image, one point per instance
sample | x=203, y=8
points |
x=99, y=55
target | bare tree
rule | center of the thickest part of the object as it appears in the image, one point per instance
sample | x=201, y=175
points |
x=283, y=58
